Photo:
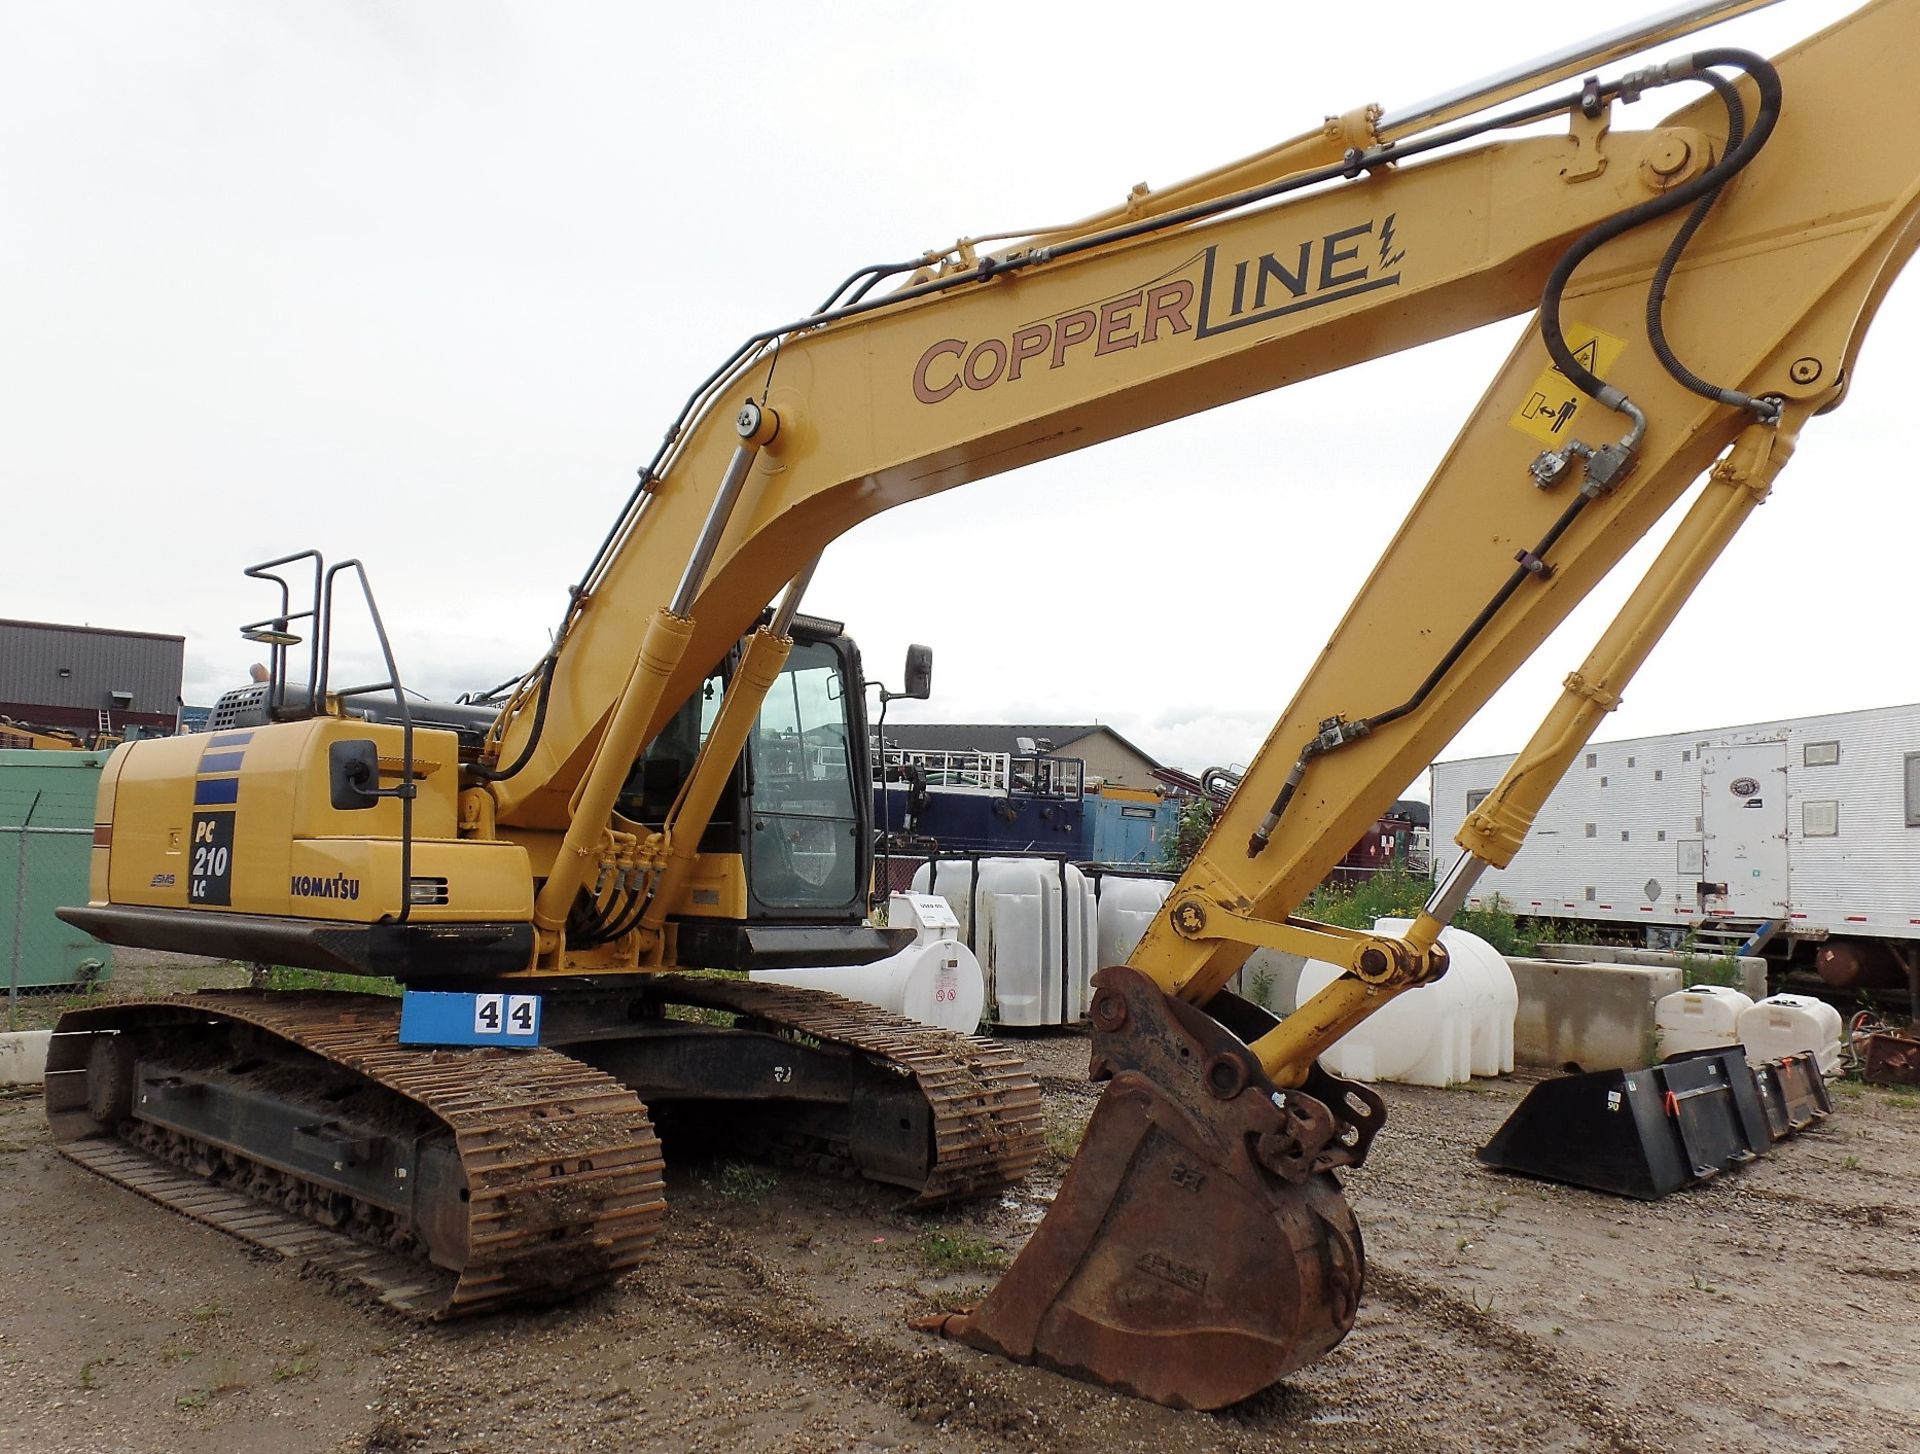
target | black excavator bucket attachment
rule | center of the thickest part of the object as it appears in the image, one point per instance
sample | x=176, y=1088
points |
x=1200, y=1248
x=1646, y=1133
x=1794, y=1094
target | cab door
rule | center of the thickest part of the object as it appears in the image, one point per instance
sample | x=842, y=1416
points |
x=806, y=849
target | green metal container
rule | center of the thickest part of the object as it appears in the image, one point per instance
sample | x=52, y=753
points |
x=46, y=835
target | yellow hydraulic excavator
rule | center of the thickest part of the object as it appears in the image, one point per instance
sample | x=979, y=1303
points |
x=681, y=781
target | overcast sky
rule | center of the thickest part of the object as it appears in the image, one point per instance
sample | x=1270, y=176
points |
x=424, y=283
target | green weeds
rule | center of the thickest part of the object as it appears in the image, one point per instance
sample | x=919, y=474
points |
x=949, y=1253
x=1396, y=894
x=742, y=1183
x=279, y=977
x=1064, y=1137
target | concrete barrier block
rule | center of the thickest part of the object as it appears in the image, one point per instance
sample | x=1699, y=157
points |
x=1594, y=1016
x=23, y=1056
x=1753, y=968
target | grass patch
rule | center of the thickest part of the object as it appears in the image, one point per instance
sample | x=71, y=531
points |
x=701, y=1015
x=1064, y=1138
x=743, y=1183
x=281, y=978
x=90, y=1373
x=1395, y=893
x=38, y=1009
x=292, y=1369
x=1722, y=970
x=1903, y=1101
x=951, y=1253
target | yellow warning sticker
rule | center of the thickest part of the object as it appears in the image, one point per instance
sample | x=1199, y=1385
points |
x=1553, y=404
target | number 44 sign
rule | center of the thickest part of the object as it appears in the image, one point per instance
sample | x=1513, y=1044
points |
x=435, y=1017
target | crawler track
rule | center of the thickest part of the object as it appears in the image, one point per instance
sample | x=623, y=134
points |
x=458, y=1181
x=559, y=1184
x=987, y=1127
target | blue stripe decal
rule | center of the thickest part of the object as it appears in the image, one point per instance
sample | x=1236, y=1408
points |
x=216, y=790
x=231, y=739
x=220, y=761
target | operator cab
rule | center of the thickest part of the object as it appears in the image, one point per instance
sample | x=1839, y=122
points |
x=794, y=811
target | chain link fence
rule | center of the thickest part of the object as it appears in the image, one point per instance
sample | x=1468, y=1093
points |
x=46, y=834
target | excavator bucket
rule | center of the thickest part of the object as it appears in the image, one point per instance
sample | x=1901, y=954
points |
x=1200, y=1248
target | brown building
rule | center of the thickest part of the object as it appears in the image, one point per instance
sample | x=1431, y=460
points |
x=87, y=679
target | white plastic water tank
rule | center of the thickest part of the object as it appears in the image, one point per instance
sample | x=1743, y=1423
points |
x=1700, y=1017
x=1495, y=1001
x=1269, y=979
x=1440, y=1034
x=1033, y=926
x=935, y=980
x=1126, y=907
x=1792, y=1025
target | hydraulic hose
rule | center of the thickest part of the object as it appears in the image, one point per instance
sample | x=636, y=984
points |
x=496, y=774
x=868, y=278
x=1706, y=186
x=1335, y=733
x=1663, y=274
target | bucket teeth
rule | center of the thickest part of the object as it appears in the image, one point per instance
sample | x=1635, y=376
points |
x=1199, y=1250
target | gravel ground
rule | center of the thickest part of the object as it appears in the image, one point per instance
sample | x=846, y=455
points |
x=1774, y=1306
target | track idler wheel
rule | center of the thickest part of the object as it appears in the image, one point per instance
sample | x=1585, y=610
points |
x=1200, y=1248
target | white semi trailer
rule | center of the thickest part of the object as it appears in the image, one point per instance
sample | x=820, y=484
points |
x=1799, y=836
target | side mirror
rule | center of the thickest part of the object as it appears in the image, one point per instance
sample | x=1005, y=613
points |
x=919, y=675
x=353, y=774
